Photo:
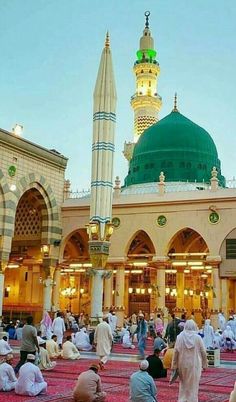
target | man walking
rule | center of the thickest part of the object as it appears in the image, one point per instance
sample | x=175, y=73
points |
x=29, y=342
x=103, y=340
x=141, y=332
x=58, y=328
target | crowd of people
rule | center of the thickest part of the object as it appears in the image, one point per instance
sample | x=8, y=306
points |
x=179, y=347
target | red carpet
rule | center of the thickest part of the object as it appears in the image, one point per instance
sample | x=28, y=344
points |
x=216, y=384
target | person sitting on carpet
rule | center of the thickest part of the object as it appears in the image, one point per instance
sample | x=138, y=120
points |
x=167, y=359
x=126, y=340
x=5, y=348
x=142, y=385
x=7, y=375
x=155, y=368
x=53, y=348
x=228, y=339
x=69, y=351
x=30, y=381
x=159, y=342
x=44, y=360
x=81, y=340
x=88, y=387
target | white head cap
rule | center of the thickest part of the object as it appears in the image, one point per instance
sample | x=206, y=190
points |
x=30, y=356
x=143, y=365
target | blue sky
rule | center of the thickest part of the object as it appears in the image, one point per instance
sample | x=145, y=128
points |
x=50, y=52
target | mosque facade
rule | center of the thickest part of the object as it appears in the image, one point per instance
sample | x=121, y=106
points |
x=170, y=240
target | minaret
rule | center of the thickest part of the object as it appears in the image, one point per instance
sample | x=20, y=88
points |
x=146, y=102
x=100, y=227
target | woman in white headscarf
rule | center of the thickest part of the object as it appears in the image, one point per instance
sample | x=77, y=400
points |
x=208, y=335
x=189, y=358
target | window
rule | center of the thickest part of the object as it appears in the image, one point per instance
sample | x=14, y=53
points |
x=231, y=249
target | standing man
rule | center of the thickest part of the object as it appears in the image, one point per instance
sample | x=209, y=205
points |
x=141, y=332
x=58, y=328
x=29, y=342
x=112, y=321
x=103, y=340
x=142, y=385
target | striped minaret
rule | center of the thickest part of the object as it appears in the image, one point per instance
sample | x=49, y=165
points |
x=146, y=102
x=104, y=118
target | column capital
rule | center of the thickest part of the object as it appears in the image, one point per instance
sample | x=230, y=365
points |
x=117, y=260
x=160, y=260
x=213, y=259
x=3, y=265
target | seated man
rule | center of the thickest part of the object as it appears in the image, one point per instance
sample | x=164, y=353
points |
x=7, y=375
x=69, y=351
x=81, y=340
x=126, y=340
x=88, y=387
x=168, y=356
x=142, y=385
x=44, y=360
x=30, y=381
x=53, y=348
x=4, y=346
x=159, y=342
x=156, y=369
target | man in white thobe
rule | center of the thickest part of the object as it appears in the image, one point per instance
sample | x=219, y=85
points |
x=103, y=340
x=7, y=375
x=81, y=340
x=30, y=381
x=5, y=348
x=112, y=320
x=52, y=347
x=58, y=328
x=69, y=350
x=221, y=321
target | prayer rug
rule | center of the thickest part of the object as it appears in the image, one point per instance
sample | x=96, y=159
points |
x=216, y=383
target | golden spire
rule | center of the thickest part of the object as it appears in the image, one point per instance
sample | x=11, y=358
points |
x=175, y=103
x=107, y=41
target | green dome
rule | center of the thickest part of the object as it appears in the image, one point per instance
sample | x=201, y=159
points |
x=180, y=148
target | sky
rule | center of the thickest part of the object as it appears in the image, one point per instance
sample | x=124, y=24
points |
x=50, y=52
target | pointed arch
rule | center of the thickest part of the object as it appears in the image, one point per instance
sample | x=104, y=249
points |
x=140, y=243
x=75, y=245
x=187, y=240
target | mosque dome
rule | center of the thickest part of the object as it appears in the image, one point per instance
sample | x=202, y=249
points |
x=184, y=151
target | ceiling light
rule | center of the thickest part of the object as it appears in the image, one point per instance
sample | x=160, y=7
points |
x=170, y=271
x=197, y=268
x=140, y=264
x=195, y=263
x=136, y=271
x=186, y=271
x=179, y=263
x=76, y=265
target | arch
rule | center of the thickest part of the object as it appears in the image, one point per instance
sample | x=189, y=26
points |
x=186, y=240
x=77, y=240
x=51, y=232
x=140, y=243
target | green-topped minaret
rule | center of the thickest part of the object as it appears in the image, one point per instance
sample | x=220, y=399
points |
x=146, y=102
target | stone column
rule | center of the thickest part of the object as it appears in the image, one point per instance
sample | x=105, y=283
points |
x=161, y=284
x=56, y=289
x=48, y=272
x=97, y=291
x=108, y=287
x=47, y=294
x=216, y=301
x=225, y=296
x=119, y=294
x=180, y=290
x=3, y=265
